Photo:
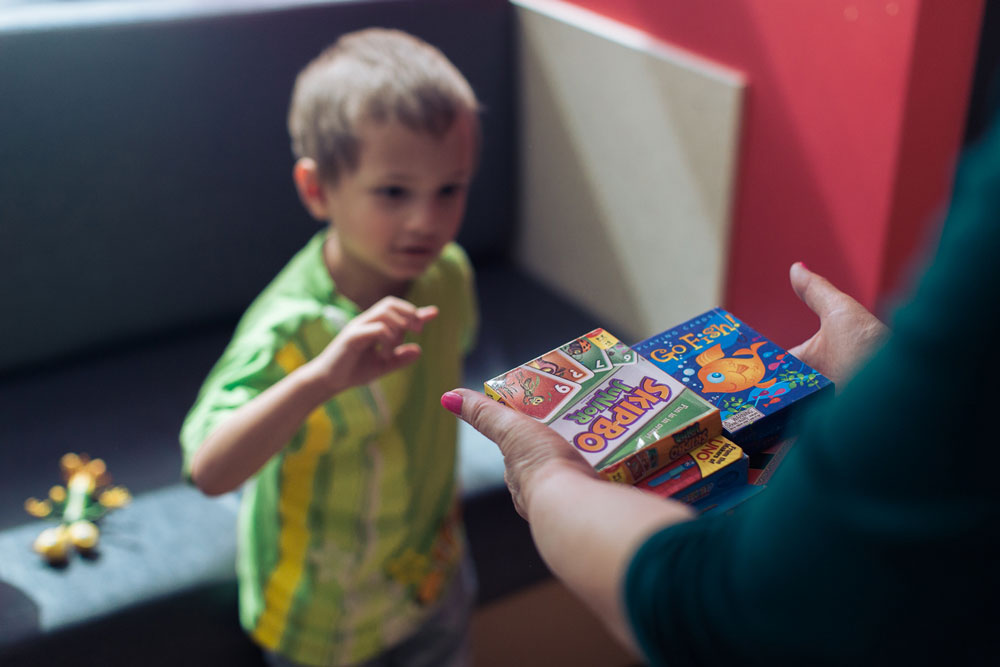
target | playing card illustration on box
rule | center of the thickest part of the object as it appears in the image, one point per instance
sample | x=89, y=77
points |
x=627, y=420
x=561, y=364
x=756, y=384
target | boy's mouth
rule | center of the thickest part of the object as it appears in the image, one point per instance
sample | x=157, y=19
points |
x=416, y=251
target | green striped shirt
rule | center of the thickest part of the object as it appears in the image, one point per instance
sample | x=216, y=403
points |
x=349, y=535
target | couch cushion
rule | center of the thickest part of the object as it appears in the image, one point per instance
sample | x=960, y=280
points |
x=167, y=559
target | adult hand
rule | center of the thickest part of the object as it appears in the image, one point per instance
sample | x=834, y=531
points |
x=848, y=334
x=531, y=450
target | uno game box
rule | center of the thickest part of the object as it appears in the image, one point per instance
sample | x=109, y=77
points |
x=623, y=414
x=709, y=469
x=756, y=384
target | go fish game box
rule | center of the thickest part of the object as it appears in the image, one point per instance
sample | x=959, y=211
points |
x=712, y=468
x=623, y=414
x=755, y=384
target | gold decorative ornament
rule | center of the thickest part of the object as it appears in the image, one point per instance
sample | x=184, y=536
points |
x=86, y=497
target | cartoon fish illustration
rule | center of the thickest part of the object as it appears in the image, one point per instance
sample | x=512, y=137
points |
x=731, y=374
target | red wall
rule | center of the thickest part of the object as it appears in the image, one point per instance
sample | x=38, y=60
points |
x=853, y=117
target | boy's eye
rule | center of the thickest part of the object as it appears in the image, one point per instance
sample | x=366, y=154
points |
x=451, y=189
x=393, y=192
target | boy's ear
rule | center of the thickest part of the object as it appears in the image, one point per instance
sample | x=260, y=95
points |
x=310, y=188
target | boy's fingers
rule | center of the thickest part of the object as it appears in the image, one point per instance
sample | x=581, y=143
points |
x=416, y=317
x=404, y=355
x=368, y=332
x=404, y=314
x=390, y=340
x=397, y=320
x=372, y=333
x=390, y=302
x=427, y=313
x=392, y=359
x=390, y=307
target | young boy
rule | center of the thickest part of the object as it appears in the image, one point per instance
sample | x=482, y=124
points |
x=326, y=401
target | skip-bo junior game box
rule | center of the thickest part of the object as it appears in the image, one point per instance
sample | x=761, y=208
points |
x=756, y=384
x=623, y=414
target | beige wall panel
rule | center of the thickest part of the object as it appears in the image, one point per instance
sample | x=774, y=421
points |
x=628, y=149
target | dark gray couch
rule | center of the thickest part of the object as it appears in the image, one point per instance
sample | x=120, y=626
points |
x=145, y=198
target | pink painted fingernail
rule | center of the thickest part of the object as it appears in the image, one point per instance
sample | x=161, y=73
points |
x=803, y=265
x=452, y=402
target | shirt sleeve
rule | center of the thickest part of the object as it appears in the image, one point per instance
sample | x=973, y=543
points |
x=876, y=541
x=248, y=366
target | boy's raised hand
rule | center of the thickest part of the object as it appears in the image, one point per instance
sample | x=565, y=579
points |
x=371, y=344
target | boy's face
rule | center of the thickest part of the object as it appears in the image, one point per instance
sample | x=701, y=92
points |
x=393, y=214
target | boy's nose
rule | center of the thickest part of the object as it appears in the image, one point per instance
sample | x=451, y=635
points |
x=422, y=219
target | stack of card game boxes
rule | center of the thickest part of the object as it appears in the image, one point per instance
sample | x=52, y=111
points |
x=625, y=416
x=677, y=414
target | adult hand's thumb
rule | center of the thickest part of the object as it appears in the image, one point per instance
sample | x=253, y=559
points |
x=508, y=428
x=815, y=291
x=486, y=416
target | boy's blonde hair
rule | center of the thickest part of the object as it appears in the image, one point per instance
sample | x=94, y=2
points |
x=375, y=74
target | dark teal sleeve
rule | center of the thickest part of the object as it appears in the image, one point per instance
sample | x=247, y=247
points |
x=877, y=541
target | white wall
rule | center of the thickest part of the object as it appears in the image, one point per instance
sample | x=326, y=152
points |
x=628, y=148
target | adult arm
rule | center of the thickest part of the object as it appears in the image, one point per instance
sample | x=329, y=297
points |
x=586, y=529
